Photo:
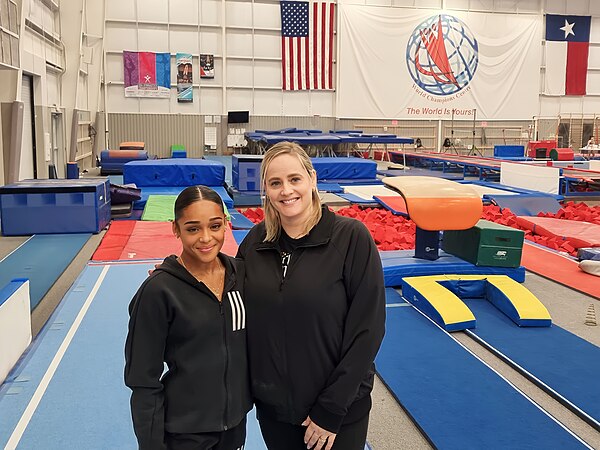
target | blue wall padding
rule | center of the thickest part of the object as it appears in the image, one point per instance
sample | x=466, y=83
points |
x=352, y=198
x=563, y=361
x=398, y=264
x=42, y=259
x=526, y=204
x=457, y=401
x=509, y=151
x=174, y=172
x=344, y=168
x=329, y=187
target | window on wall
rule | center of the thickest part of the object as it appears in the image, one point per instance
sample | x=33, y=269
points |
x=9, y=33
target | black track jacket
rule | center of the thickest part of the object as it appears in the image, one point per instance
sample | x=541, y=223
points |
x=178, y=320
x=314, y=334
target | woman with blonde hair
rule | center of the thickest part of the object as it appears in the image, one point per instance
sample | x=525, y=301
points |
x=315, y=304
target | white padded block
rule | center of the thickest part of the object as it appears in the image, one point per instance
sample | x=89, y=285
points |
x=595, y=165
x=15, y=326
x=528, y=176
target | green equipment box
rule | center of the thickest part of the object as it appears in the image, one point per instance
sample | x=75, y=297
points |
x=486, y=244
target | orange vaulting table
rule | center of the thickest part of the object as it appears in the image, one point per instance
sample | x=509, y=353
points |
x=436, y=204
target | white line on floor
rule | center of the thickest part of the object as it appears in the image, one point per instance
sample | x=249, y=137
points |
x=17, y=433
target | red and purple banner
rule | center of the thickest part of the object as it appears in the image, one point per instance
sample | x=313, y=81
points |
x=147, y=74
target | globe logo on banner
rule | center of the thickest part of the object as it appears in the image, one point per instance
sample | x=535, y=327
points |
x=442, y=55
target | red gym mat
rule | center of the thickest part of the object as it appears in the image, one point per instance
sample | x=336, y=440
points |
x=581, y=234
x=135, y=240
x=561, y=269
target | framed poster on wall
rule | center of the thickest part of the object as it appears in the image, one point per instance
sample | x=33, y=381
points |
x=184, y=78
x=207, y=66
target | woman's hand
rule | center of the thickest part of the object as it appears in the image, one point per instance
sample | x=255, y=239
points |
x=316, y=437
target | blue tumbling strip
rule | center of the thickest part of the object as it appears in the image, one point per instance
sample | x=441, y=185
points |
x=561, y=360
x=457, y=401
x=42, y=259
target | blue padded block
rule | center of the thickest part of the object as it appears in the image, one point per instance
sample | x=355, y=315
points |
x=55, y=206
x=239, y=235
x=398, y=264
x=457, y=401
x=329, y=187
x=509, y=151
x=245, y=172
x=178, y=154
x=589, y=253
x=344, y=168
x=563, y=361
x=174, y=172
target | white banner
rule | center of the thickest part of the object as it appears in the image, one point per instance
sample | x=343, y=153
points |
x=397, y=63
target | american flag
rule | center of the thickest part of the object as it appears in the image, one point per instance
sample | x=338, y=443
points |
x=307, y=45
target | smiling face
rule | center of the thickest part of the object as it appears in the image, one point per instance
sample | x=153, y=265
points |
x=289, y=188
x=201, y=227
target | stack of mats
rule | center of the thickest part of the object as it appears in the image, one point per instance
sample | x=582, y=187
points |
x=171, y=176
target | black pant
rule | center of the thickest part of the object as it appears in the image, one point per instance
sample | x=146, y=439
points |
x=232, y=439
x=285, y=436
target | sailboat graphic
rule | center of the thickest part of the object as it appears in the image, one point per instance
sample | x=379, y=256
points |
x=432, y=40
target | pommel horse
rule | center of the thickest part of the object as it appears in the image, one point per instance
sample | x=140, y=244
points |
x=435, y=204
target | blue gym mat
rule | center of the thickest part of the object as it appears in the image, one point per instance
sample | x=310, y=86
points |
x=42, y=259
x=526, y=204
x=358, y=200
x=239, y=235
x=456, y=400
x=87, y=388
x=239, y=221
x=562, y=361
x=226, y=161
x=398, y=264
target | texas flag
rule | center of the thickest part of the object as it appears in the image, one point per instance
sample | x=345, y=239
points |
x=567, y=48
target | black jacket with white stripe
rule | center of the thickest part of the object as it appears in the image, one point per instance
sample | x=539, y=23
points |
x=177, y=320
x=313, y=334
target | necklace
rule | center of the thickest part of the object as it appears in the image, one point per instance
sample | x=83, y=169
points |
x=218, y=290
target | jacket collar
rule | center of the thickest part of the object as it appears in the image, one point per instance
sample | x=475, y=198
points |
x=319, y=235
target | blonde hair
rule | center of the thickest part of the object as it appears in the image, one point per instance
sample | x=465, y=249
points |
x=272, y=217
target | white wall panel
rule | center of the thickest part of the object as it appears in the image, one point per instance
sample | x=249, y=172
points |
x=578, y=7
x=239, y=43
x=594, y=10
x=594, y=58
x=321, y=103
x=155, y=105
x=267, y=45
x=121, y=9
x=593, y=84
x=267, y=15
x=267, y=103
x=210, y=41
x=185, y=107
x=153, y=39
x=114, y=67
x=238, y=73
x=52, y=89
x=117, y=102
x=295, y=103
x=239, y=100
x=82, y=93
x=184, y=40
x=238, y=13
x=210, y=12
x=483, y=5
x=211, y=101
x=571, y=105
x=556, y=7
x=153, y=10
x=595, y=28
x=591, y=105
x=120, y=37
x=183, y=11
x=549, y=107
x=267, y=73
x=457, y=4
